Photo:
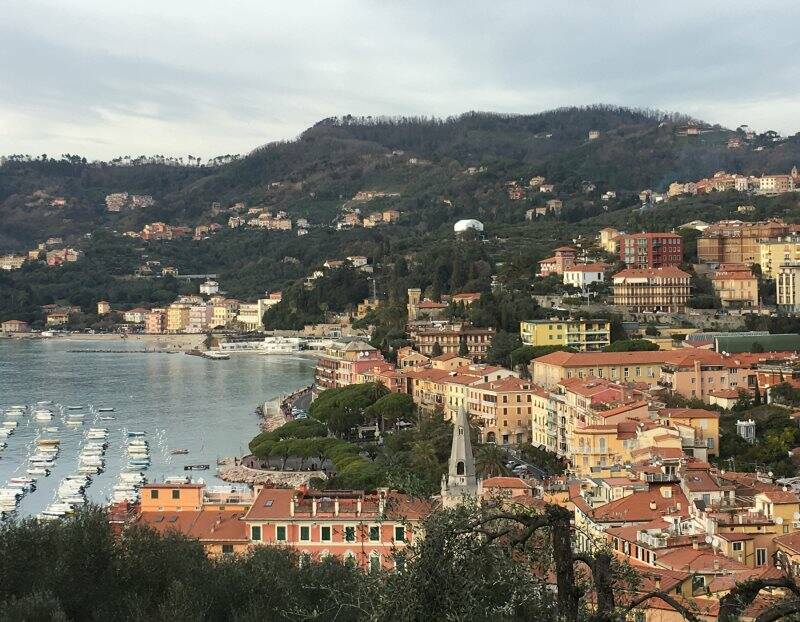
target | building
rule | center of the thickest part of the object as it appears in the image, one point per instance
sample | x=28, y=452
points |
x=788, y=287
x=155, y=322
x=200, y=317
x=423, y=309
x=57, y=318
x=580, y=334
x=225, y=311
x=450, y=339
x=563, y=258
x=15, y=326
x=12, y=262
x=608, y=240
x=209, y=287
x=652, y=289
x=103, y=307
x=774, y=254
x=776, y=184
x=705, y=425
x=734, y=241
x=651, y=250
x=369, y=528
x=503, y=409
x=342, y=363
x=736, y=286
x=581, y=275
x=177, y=317
x=460, y=484
x=135, y=316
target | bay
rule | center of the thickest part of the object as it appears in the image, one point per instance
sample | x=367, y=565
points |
x=182, y=402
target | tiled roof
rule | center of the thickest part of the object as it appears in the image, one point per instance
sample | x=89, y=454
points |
x=667, y=271
x=698, y=560
x=606, y=414
x=588, y=267
x=205, y=525
x=506, y=482
x=781, y=496
x=588, y=359
x=636, y=507
x=688, y=413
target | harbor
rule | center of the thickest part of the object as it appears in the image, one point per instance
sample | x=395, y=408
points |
x=108, y=421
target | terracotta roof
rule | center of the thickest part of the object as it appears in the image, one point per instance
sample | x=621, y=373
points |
x=698, y=560
x=667, y=271
x=430, y=304
x=606, y=414
x=688, y=413
x=636, y=507
x=205, y=525
x=735, y=537
x=587, y=359
x=512, y=383
x=781, y=496
x=790, y=541
x=651, y=235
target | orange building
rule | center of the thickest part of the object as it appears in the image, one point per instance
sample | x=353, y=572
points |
x=736, y=285
x=734, y=241
x=563, y=257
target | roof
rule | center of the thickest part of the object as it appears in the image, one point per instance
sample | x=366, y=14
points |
x=430, y=304
x=587, y=359
x=588, y=267
x=636, y=507
x=698, y=560
x=668, y=271
x=688, y=413
x=770, y=343
x=611, y=412
x=651, y=235
x=790, y=541
x=506, y=482
x=781, y=496
x=512, y=383
x=205, y=525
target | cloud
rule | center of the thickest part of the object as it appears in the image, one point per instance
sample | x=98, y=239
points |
x=105, y=79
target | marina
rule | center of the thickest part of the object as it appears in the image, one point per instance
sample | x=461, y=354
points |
x=91, y=429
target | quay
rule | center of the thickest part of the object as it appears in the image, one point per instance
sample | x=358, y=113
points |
x=112, y=351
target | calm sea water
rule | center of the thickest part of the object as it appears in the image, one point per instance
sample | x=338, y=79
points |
x=181, y=401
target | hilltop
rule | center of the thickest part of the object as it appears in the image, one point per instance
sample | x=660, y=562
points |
x=440, y=169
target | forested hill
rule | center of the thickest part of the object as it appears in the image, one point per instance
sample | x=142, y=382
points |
x=423, y=160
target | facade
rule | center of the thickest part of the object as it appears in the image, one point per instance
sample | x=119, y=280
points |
x=57, y=318
x=418, y=308
x=503, y=409
x=450, y=338
x=12, y=262
x=224, y=311
x=775, y=254
x=734, y=241
x=581, y=275
x=651, y=250
x=582, y=335
x=342, y=363
x=788, y=288
x=369, y=528
x=608, y=240
x=209, y=287
x=155, y=321
x=177, y=317
x=15, y=326
x=200, y=317
x=652, y=289
x=103, y=307
x=736, y=286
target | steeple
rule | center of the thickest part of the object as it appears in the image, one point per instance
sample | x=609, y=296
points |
x=460, y=480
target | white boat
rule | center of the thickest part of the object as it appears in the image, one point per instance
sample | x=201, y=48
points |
x=42, y=415
x=74, y=424
x=105, y=410
x=10, y=423
x=52, y=430
x=216, y=356
x=44, y=403
x=10, y=493
x=6, y=432
x=38, y=471
x=107, y=418
x=136, y=434
x=14, y=413
x=74, y=407
x=48, y=442
x=40, y=457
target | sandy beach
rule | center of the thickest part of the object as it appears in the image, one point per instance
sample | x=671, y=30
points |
x=176, y=343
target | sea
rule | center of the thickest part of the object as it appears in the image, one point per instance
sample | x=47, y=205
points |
x=178, y=401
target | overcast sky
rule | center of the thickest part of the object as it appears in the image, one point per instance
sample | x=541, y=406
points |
x=204, y=78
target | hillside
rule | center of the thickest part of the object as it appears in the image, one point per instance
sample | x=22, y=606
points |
x=424, y=160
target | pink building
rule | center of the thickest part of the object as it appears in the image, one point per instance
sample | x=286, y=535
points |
x=563, y=257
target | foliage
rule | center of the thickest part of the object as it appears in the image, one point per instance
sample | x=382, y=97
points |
x=501, y=348
x=343, y=409
x=632, y=345
x=390, y=409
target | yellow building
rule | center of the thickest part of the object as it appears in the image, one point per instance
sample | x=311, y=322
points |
x=503, y=410
x=177, y=317
x=581, y=335
x=103, y=307
x=736, y=286
x=705, y=424
x=774, y=254
x=608, y=240
x=645, y=367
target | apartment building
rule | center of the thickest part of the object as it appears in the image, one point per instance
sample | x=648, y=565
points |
x=776, y=184
x=651, y=250
x=608, y=240
x=652, y=289
x=341, y=364
x=788, y=287
x=580, y=334
x=200, y=316
x=155, y=322
x=734, y=241
x=736, y=286
x=704, y=424
x=449, y=338
x=177, y=317
x=774, y=254
x=224, y=311
x=503, y=409
x=369, y=528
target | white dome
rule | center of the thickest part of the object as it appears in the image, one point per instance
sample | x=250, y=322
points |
x=463, y=225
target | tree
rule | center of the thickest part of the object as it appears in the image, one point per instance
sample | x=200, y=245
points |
x=491, y=462
x=503, y=344
x=632, y=345
x=463, y=349
x=436, y=350
x=390, y=409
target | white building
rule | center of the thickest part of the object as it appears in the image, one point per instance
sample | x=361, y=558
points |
x=788, y=287
x=583, y=275
x=209, y=288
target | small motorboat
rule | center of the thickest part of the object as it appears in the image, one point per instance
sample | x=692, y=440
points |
x=74, y=407
x=48, y=442
x=10, y=423
x=107, y=418
x=138, y=434
x=196, y=467
x=51, y=430
x=38, y=471
x=105, y=410
x=179, y=452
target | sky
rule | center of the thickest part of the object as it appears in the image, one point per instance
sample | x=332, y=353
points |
x=104, y=79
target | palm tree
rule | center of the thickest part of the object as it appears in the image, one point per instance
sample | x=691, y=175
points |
x=491, y=462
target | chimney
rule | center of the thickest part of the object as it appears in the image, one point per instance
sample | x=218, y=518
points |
x=292, y=504
x=336, y=506
x=358, y=506
x=695, y=545
x=313, y=506
x=657, y=583
x=653, y=505
x=716, y=564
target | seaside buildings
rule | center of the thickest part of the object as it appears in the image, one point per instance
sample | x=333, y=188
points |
x=15, y=326
x=734, y=241
x=579, y=334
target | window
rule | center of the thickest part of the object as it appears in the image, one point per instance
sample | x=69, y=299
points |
x=350, y=534
x=761, y=557
x=325, y=534
x=305, y=533
x=400, y=563
x=176, y=494
x=154, y=494
x=280, y=533
x=374, y=562
x=399, y=533
x=737, y=546
x=255, y=533
x=374, y=533
x=227, y=549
